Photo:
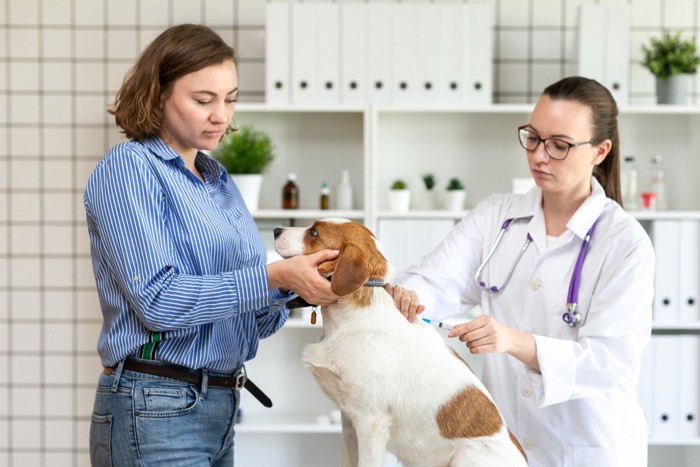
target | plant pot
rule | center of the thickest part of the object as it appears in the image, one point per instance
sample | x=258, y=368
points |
x=249, y=185
x=399, y=200
x=427, y=200
x=454, y=200
x=673, y=90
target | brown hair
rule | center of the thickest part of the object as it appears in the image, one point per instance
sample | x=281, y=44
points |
x=177, y=51
x=603, y=107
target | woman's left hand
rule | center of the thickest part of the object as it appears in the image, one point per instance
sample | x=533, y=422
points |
x=405, y=300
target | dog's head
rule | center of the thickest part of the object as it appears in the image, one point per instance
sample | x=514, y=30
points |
x=359, y=257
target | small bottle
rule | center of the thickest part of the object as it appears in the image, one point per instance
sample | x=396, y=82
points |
x=290, y=193
x=630, y=183
x=325, y=201
x=343, y=196
x=658, y=182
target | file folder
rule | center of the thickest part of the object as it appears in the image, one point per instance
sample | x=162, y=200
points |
x=353, y=54
x=429, y=44
x=304, y=88
x=478, y=53
x=406, y=58
x=665, y=239
x=664, y=422
x=689, y=273
x=328, y=48
x=450, y=83
x=689, y=387
x=277, y=53
x=380, y=26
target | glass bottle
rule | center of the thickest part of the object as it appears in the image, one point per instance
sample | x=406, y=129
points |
x=290, y=193
x=325, y=200
x=343, y=198
x=658, y=182
x=630, y=183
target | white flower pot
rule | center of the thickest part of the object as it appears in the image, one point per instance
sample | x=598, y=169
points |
x=426, y=200
x=399, y=200
x=249, y=185
x=454, y=200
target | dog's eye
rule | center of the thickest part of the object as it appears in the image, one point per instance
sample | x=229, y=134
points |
x=313, y=233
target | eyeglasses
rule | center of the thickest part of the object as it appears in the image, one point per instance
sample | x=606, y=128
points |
x=554, y=147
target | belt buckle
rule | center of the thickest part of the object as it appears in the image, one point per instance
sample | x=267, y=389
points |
x=240, y=379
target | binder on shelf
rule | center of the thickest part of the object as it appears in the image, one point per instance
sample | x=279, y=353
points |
x=478, y=53
x=689, y=273
x=353, y=53
x=689, y=385
x=664, y=420
x=405, y=57
x=328, y=45
x=277, y=53
x=449, y=81
x=380, y=26
x=604, y=47
x=428, y=46
x=665, y=240
x=304, y=65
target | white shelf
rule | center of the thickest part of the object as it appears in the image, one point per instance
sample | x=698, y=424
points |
x=418, y=214
x=675, y=442
x=669, y=215
x=307, y=213
x=284, y=423
x=687, y=326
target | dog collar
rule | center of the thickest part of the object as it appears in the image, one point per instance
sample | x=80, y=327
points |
x=374, y=283
x=298, y=302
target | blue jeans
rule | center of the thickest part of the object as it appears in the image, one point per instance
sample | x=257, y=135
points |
x=143, y=420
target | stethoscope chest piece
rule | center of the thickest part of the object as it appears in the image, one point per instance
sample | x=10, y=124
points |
x=571, y=317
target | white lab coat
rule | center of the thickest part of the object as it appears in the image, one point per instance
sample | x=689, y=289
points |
x=582, y=408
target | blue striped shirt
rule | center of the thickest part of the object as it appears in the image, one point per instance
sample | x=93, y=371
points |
x=174, y=255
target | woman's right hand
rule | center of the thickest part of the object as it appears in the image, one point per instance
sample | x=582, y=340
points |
x=300, y=275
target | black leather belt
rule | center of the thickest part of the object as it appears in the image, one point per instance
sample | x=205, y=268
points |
x=236, y=381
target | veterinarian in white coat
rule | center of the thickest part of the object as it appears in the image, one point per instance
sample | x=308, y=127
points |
x=568, y=393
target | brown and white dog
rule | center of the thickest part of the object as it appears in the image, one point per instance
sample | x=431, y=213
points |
x=398, y=385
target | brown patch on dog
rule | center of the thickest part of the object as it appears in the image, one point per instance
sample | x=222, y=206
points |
x=517, y=445
x=469, y=414
x=358, y=258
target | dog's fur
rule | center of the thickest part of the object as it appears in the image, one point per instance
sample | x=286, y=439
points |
x=398, y=385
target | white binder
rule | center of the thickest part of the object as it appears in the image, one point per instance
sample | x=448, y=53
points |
x=689, y=385
x=428, y=43
x=689, y=273
x=328, y=47
x=353, y=54
x=604, y=47
x=449, y=81
x=277, y=53
x=664, y=422
x=665, y=238
x=406, y=58
x=304, y=89
x=380, y=25
x=478, y=53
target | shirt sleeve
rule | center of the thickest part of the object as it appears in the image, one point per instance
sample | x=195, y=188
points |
x=271, y=318
x=127, y=218
x=613, y=337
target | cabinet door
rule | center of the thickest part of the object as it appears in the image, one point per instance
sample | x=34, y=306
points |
x=406, y=241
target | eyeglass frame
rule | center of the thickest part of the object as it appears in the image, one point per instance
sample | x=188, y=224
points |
x=544, y=140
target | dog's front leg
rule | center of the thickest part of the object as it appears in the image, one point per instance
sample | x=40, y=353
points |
x=372, y=436
x=349, y=442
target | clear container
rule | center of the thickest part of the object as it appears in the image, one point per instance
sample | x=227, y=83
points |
x=629, y=183
x=658, y=182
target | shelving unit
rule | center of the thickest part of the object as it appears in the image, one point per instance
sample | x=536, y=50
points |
x=378, y=145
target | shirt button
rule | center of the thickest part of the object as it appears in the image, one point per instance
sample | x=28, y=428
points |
x=526, y=392
x=534, y=285
x=527, y=444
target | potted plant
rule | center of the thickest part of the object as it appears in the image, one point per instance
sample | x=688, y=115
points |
x=672, y=60
x=399, y=196
x=246, y=154
x=428, y=195
x=455, y=196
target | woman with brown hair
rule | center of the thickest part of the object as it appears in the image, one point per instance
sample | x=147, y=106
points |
x=564, y=279
x=179, y=264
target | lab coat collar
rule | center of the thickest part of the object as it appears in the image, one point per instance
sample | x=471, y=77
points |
x=530, y=205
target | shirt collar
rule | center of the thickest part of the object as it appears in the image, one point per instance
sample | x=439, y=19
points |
x=530, y=205
x=158, y=147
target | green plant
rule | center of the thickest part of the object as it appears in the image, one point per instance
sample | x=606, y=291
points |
x=399, y=185
x=454, y=184
x=246, y=151
x=429, y=181
x=670, y=55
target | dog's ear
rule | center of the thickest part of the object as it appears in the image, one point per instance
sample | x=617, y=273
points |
x=351, y=270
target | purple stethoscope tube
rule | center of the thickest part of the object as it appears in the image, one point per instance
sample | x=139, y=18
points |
x=572, y=317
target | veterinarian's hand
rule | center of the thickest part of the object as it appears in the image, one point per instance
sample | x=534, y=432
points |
x=406, y=301
x=300, y=275
x=487, y=335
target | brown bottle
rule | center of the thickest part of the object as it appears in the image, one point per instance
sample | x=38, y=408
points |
x=290, y=193
x=325, y=201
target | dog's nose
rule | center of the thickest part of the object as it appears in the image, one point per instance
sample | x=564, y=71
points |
x=278, y=231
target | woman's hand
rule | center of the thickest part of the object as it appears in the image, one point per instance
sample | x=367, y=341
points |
x=405, y=300
x=486, y=335
x=300, y=275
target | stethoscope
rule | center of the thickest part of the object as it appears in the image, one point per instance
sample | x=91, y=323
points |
x=572, y=317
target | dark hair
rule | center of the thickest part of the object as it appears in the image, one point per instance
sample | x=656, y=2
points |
x=604, y=111
x=176, y=52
